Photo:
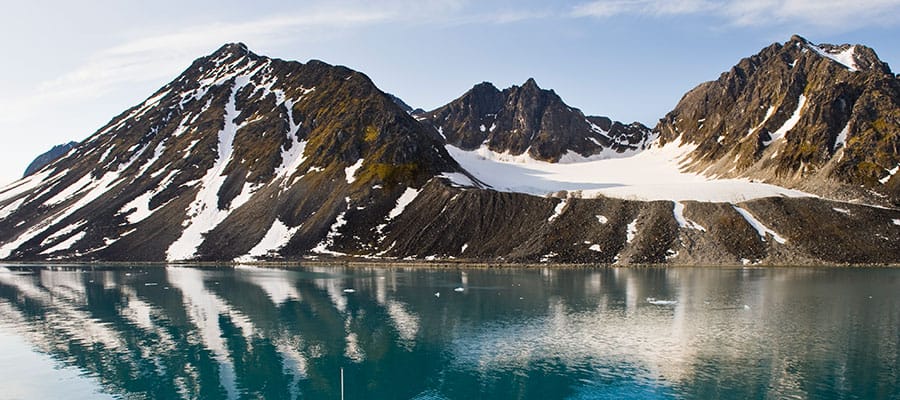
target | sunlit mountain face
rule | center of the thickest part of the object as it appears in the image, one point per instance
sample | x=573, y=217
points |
x=401, y=333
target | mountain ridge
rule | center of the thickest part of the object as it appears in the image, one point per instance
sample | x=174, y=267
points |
x=248, y=158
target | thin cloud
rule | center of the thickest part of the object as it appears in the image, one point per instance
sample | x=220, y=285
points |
x=836, y=14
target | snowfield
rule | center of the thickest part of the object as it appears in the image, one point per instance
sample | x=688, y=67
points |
x=653, y=174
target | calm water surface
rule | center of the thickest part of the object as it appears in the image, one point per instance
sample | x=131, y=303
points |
x=178, y=332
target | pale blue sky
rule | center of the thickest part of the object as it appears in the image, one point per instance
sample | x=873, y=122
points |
x=69, y=67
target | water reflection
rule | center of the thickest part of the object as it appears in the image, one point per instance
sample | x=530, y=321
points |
x=248, y=332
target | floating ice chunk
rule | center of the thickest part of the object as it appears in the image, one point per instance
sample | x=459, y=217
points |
x=658, y=302
x=459, y=290
x=349, y=290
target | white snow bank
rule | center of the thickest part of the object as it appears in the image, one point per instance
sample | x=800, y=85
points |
x=407, y=197
x=683, y=222
x=65, y=244
x=844, y=57
x=351, y=171
x=652, y=174
x=558, y=210
x=277, y=237
x=760, y=228
x=891, y=173
x=790, y=123
x=632, y=231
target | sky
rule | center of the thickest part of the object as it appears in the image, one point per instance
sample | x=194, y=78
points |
x=69, y=67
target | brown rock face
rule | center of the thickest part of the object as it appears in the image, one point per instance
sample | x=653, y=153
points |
x=529, y=119
x=824, y=118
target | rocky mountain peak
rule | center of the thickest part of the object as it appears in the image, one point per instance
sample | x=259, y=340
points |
x=235, y=145
x=529, y=119
x=823, y=118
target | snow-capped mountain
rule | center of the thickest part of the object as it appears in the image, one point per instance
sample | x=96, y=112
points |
x=237, y=151
x=533, y=121
x=820, y=118
x=244, y=157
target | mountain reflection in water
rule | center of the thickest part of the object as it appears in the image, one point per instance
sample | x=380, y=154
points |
x=247, y=332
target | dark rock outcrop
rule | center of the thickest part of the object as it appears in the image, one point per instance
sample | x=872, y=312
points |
x=51, y=155
x=529, y=119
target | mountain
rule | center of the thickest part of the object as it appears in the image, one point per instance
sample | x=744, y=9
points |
x=528, y=119
x=46, y=158
x=244, y=158
x=821, y=118
x=238, y=149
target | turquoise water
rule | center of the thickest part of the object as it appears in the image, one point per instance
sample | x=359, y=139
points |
x=682, y=333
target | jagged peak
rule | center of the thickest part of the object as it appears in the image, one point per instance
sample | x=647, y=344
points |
x=854, y=57
x=236, y=49
x=531, y=84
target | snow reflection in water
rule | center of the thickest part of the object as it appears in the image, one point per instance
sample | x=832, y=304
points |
x=543, y=334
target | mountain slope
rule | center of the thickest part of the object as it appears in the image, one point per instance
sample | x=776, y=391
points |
x=825, y=119
x=528, y=119
x=237, y=149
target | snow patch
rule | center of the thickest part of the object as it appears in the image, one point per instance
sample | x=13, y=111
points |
x=844, y=57
x=841, y=140
x=683, y=222
x=458, y=179
x=595, y=247
x=204, y=214
x=841, y=210
x=333, y=232
x=631, y=231
x=602, y=219
x=891, y=173
x=649, y=175
x=407, y=197
x=66, y=244
x=558, y=210
x=896, y=222
x=769, y=113
x=11, y=208
x=350, y=171
x=760, y=228
x=275, y=238
x=790, y=123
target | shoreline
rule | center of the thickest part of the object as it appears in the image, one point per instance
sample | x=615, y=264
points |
x=422, y=264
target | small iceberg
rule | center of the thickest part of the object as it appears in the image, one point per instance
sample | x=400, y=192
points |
x=438, y=294
x=349, y=290
x=657, y=302
x=459, y=290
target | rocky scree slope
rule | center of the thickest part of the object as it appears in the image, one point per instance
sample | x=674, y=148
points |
x=528, y=119
x=821, y=118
